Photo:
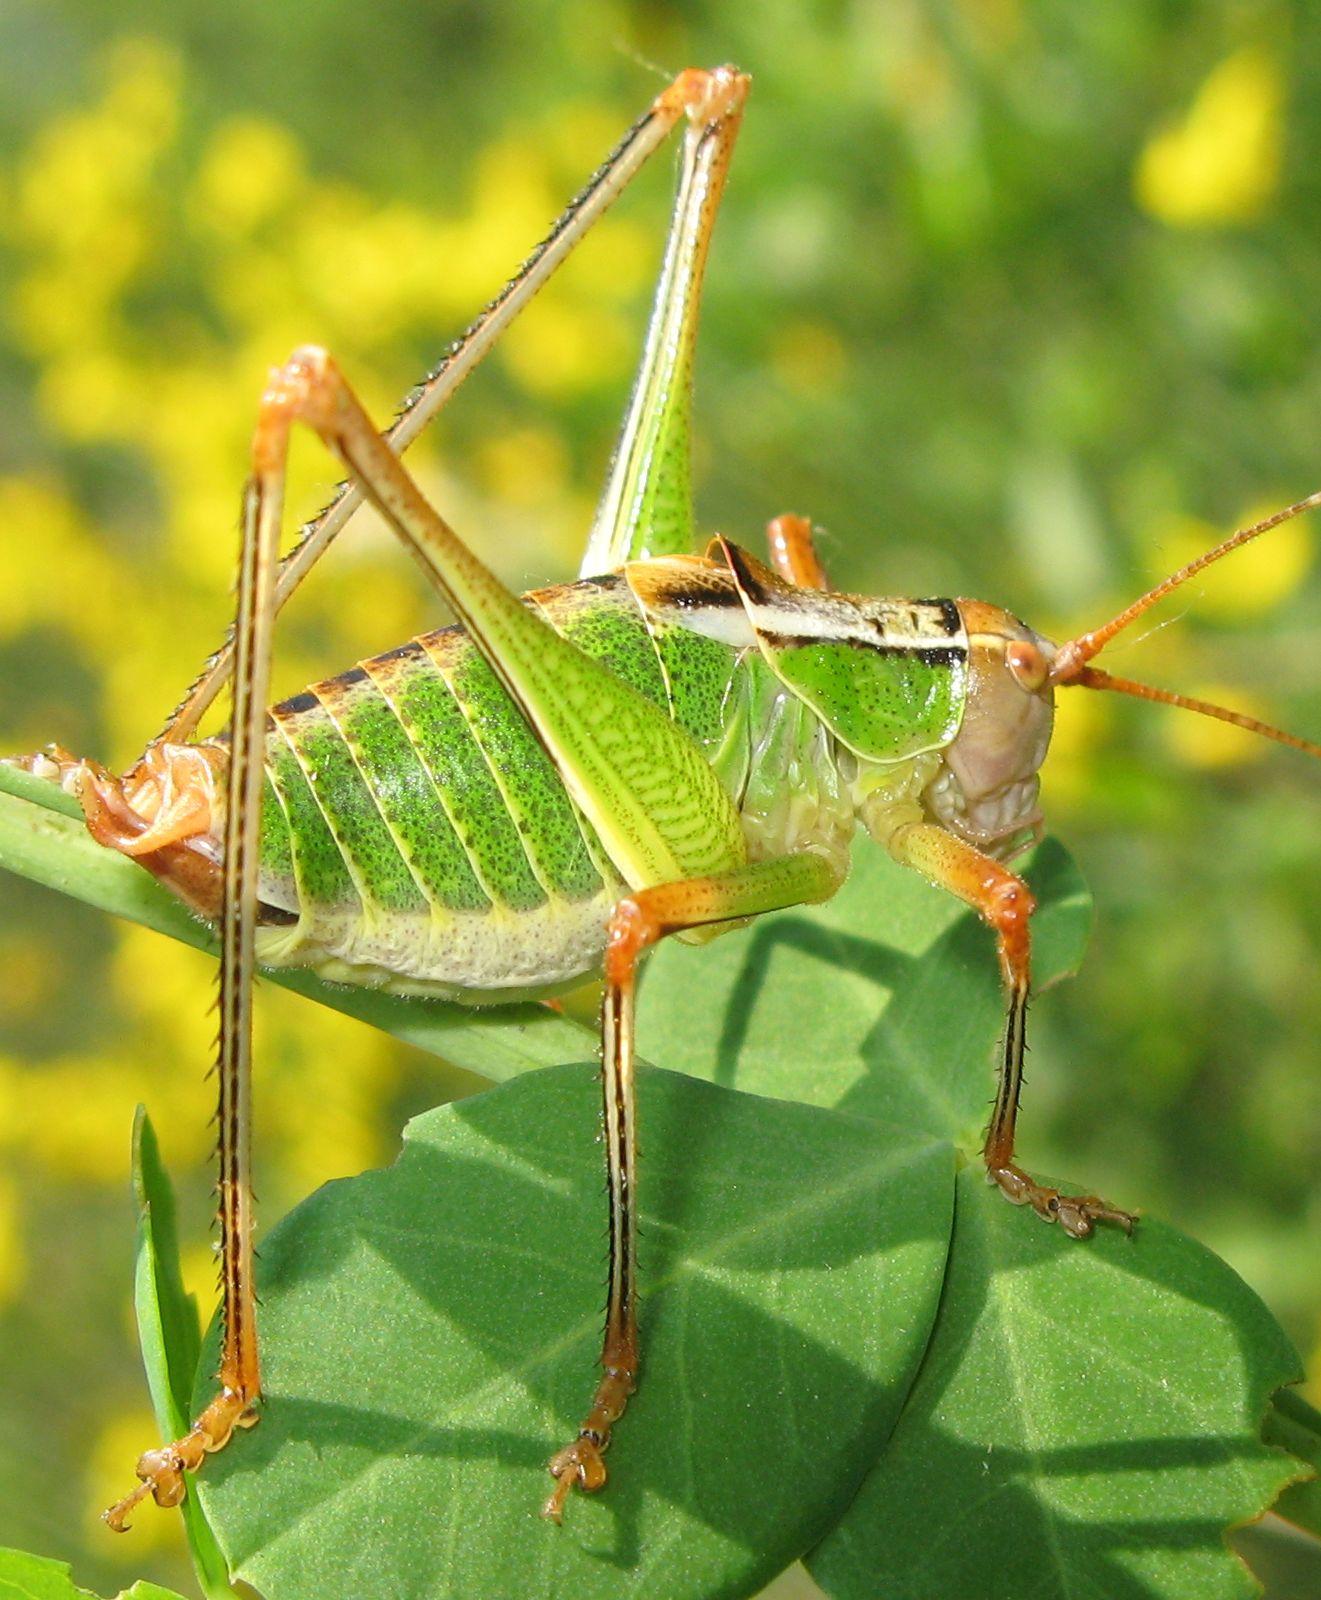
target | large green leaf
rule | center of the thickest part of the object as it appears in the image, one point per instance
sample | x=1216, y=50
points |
x=432, y=1332
x=1087, y=1422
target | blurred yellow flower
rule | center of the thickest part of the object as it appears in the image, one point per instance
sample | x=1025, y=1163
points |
x=77, y=1112
x=525, y=466
x=1220, y=163
x=250, y=171
x=1248, y=583
x=1204, y=742
x=1082, y=726
x=109, y=1474
x=556, y=349
x=89, y=394
x=47, y=535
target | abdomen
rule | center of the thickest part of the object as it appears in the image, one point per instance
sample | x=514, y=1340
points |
x=415, y=833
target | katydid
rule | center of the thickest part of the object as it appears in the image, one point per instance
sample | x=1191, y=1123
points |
x=672, y=745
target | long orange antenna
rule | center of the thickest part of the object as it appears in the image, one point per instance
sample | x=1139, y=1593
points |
x=1069, y=668
x=1071, y=658
x=1094, y=678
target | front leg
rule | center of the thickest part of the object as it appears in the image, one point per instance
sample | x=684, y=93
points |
x=1003, y=901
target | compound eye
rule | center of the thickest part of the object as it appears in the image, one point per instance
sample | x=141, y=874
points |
x=1030, y=668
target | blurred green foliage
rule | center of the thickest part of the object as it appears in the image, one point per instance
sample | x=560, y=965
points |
x=1015, y=299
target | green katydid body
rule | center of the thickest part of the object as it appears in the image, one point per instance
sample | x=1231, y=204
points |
x=417, y=835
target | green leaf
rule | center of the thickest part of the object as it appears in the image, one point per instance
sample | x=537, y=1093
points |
x=28, y=1577
x=1086, y=1413
x=1284, y=1558
x=432, y=1333
x=1296, y=1426
x=1087, y=1421
x=167, y=1317
x=170, y=1335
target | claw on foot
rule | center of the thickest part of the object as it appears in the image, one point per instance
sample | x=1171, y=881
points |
x=1077, y=1214
x=162, y=1470
x=579, y=1463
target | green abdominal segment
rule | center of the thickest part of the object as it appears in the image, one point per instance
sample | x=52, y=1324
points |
x=415, y=832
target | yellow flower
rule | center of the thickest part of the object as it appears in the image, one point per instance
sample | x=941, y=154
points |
x=251, y=170
x=1221, y=162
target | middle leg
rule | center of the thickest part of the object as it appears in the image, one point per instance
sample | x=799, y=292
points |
x=639, y=921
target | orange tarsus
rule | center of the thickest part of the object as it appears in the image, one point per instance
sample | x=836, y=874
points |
x=579, y=1464
x=162, y=1470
